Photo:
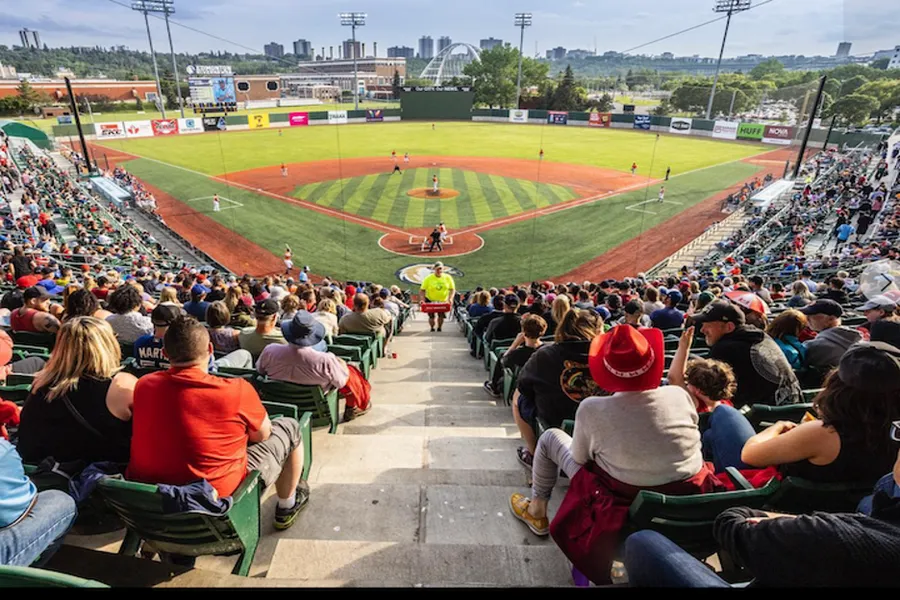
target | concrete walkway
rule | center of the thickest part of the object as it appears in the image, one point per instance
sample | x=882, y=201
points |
x=414, y=493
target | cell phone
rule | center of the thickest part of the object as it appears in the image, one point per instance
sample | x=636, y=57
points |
x=895, y=431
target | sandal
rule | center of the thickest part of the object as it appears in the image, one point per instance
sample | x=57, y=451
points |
x=526, y=458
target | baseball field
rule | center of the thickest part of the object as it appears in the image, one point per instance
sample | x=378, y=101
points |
x=332, y=193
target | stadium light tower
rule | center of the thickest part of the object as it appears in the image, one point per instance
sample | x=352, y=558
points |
x=354, y=20
x=146, y=6
x=730, y=7
x=523, y=20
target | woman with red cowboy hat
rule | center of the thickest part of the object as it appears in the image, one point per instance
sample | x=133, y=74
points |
x=641, y=437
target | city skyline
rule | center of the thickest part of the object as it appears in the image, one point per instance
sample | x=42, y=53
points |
x=779, y=28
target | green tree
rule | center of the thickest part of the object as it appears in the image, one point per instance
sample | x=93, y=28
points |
x=881, y=64
x=887, y=92
x=28, y=96
x=663, y=109
x=567, y=96
x=767, y=69
x=602, y=104
x=855, y=109
x=494, y=75
x=395, y=84
x=854, y=83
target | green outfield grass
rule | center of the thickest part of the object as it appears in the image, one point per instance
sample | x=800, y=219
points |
x=610, y=148
x=539, y=248
x=482, y=198
x=47, y=124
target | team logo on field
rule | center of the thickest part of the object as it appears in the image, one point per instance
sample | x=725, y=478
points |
x=416, y=274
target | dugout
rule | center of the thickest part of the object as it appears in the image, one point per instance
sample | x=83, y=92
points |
x=436, y=103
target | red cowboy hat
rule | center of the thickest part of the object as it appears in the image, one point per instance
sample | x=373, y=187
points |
x=627, y=359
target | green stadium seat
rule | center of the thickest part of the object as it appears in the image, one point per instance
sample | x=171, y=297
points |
x=36, y=340
x=799, y=496
x=29, y=577
x=323, y=407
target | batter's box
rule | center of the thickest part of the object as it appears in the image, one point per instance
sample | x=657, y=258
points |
x=422, y=242
x=635, y=207
x=224, y=203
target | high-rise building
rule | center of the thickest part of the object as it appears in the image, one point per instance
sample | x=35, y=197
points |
x=274, y=49
x=895, y=59
x=843, y=50
x=558, y=53
x=303, y=48
x=444, y=42
x=426, y=47
x=490, y=43
x=30, y=38
x=401, y=52
x=350, y=48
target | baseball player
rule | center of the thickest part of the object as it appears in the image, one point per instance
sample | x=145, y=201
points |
x=288, y=263
x=216, y=203
x=394, y=156
x=283, y=170
x=662, y=194
x=434, y=184
x=406, y=158
x=633, y=168
x=541, y=154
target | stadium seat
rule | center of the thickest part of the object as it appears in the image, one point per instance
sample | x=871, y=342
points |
x=29, y=577
x=36, y=340
x=799, y=496
x=568, y=426
x=763, y=415
x=323, y=407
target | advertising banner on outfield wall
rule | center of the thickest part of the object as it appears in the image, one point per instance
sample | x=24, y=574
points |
x=110, y=131
x=258, y=121
x=190, y=125
x=299, y=119
x=681, y=125
x=337, y=117
x=750, y=131
x=518, y=116
x=642, y=122
x=725, y=130
x=778, y=134
x=374, y=115
x=135, y=129
x=557, y=117
x=600, y=119
x=214, y=124
x=165, y=126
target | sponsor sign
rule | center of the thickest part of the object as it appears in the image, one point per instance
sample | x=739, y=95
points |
x=750, y=131
x=438, y=88
x=64, y=119
x=214, y=124
x=337, y=117
x=557, y=117
x=374, y=115
x=642, y=122
x=135, y=129
x=518, y=116
x=778, y=134
x=298, y=119
x=416, y=274
x=600, y=119
x=681, y=125
x=208, y=70
x=628, y=109
x=725, y=130
x=258, y=121
x=110, y=131
x=165, y=126
x=190, y=125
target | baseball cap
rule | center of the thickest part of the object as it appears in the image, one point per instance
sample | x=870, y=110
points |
x=720, y=312
x=27, y=281
x=165, y=314
x=675, y=296
x=35, y=292
x=51, y=287
x=511, y=300
x=871, y=367
x=199, y=289
x=823, y=307
x=438, y=265
x=879, y=302
x=12, y=300
x=384, y=292
x=267, y=308
x=603, y=312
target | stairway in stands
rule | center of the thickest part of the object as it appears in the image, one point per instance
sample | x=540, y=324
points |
x=415, y=493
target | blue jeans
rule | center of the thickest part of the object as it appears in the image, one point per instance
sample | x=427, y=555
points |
x=40, y=533
x=887, y=485
x=728, y=431
x=653, y=560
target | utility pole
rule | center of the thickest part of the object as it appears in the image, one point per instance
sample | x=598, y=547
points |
x=809, y=126
x=733, y=98
x=354, y=20
x=170, y=10
x=74, y=107
x=146, y=7
x=730, y=7
x=522, y=21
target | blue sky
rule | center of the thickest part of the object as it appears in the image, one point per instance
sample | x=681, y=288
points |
x=782, y=27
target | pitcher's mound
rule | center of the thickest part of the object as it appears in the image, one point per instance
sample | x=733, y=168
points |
x=428, y=193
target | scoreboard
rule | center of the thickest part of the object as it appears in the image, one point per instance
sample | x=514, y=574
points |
x=213, y=94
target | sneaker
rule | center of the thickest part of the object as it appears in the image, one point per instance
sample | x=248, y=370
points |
x=352, y=412
x=525, y=458
x=285, y=517
x=432, y=330
x=489, y=388
x=518, y=505
x=439, y=328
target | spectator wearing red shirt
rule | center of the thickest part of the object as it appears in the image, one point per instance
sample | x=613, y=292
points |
x=191, y=425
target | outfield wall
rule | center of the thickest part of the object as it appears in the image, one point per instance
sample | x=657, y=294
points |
x=775, y=135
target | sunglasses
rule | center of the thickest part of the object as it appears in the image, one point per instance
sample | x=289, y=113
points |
x=895, y=431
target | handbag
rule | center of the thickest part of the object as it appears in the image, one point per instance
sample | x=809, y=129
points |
x=77, y=415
